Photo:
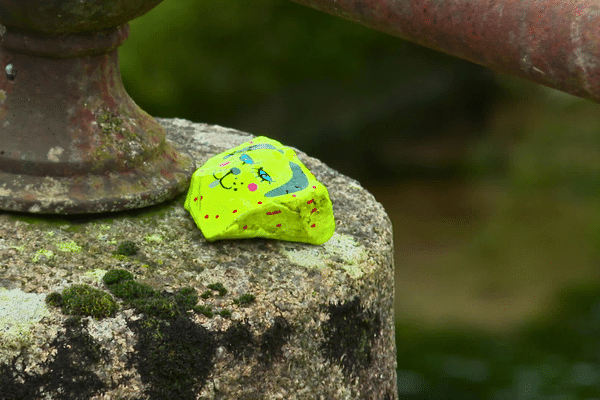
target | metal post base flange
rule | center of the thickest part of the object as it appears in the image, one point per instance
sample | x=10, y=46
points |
x=71, y=139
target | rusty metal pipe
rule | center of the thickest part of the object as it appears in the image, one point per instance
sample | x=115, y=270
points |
x=555, y=43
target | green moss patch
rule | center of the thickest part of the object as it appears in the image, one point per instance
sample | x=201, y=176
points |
x=147, y=300
x=127, y=248
x=116, y=275
x=245, y=299
x=219, y=288
x=109, y=123
x=204, y=310
x=84, y=300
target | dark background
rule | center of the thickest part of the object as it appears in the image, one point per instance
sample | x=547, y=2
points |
x=491, y=182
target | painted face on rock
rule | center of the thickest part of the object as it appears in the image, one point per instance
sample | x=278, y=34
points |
x=260, y=169
x=259, y=189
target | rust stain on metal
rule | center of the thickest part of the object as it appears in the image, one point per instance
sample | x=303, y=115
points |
x=555, y=43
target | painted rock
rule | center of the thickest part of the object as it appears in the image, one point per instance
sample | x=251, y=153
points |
x=260, y=189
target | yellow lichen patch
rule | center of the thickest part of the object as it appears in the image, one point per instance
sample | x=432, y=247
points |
x=42, y=254
x=153, y=238
x=70, y=247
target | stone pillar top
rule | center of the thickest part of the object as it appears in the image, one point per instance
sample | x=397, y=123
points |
x=283, y=319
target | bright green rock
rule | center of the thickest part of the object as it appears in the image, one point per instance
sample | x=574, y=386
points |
x=260, y=189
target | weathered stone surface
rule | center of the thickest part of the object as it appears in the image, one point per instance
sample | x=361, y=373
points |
x=260, y=189
x=230, y=319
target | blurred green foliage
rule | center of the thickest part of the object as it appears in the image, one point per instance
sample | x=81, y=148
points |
x=202, y=60
x=554, y=358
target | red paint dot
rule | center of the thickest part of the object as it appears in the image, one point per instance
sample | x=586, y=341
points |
x=234, y=211
x=195, y=199
x=313, y=210
x=314, y=187
x=310, y=201
x=200, y=197
x=217, y=216
x=206, y=216
x=312, y=226
x=252, y=187
x=245, y=226
x=268, y=212
x=260, y=202
x=278, y=225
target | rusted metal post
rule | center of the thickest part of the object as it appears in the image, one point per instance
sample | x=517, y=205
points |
x=555, y=43
x=71, y=140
